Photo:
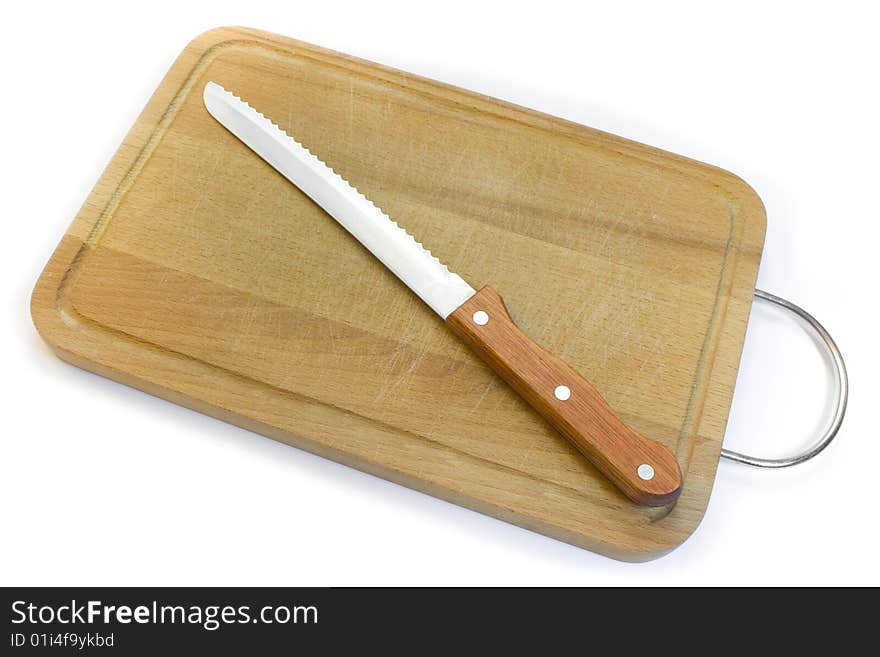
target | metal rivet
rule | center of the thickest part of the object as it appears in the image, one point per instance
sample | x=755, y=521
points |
x=646, y=472
x=481, y=317
x=562, y=393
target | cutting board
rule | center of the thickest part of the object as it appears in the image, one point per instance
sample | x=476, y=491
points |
x=197, y=273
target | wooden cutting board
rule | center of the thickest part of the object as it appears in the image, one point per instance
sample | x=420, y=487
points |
x=195, y=272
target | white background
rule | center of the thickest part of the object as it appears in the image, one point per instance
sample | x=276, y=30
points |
x=102, y=484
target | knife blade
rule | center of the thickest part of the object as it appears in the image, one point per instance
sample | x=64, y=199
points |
x=643, y=469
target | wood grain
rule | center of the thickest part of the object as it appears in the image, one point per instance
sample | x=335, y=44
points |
x=196, y=272
x=578, y=412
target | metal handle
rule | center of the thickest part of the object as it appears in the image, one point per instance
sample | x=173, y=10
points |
x=842, y=393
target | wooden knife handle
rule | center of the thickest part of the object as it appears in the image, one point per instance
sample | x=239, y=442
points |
x=642, y=468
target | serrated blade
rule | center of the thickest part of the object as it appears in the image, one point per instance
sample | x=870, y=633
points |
x=424, y=274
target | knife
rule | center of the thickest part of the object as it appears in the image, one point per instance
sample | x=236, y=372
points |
x=643, y=469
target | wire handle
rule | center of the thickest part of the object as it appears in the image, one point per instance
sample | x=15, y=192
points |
x=842, y=384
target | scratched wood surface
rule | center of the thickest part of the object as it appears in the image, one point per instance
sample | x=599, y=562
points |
x=195, y=272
